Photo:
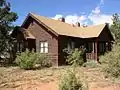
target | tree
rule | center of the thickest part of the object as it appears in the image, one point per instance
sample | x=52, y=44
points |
x=115, y=27
x=7, y=17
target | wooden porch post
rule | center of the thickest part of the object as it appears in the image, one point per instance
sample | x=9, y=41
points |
x=96, y=55
x=93, y=51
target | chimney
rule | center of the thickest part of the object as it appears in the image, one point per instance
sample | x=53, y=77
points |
x=62, y=19
x=73, y=25
x=77, y=24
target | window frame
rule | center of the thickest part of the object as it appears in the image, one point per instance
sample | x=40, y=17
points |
x=90, y=47
x=44, y=47
x=101, y=47
x=19, y=46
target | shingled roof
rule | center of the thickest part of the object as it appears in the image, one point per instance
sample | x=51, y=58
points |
x=62, y=28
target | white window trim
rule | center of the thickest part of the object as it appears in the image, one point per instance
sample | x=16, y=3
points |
x=44, y=48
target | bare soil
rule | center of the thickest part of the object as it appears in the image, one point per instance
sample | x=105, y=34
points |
x=14, y=78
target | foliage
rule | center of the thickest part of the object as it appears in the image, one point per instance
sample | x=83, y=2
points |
x=26, y=60
x=43, y=61
x=31, y=60
x=7, y=17
x=75, y=58
x=111, y=62
x=115, y=27
x=91, y=64
x=70, y=81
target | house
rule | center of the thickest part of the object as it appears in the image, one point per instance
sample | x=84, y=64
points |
x=49, y=36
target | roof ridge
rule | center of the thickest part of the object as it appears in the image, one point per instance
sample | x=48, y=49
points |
x=64, y=22
x=62, y=28
x=50, y=18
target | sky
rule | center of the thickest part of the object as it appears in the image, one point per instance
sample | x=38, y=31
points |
x=89, y=12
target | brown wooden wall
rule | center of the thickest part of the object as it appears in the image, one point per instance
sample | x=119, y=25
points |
x=105, y=35
x=41, y=34
x=63, y=41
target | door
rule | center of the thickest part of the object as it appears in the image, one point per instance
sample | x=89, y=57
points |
x=31, y=44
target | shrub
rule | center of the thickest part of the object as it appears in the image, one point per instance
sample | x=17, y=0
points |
x=43, y=61
x=75, y=58
x=71, y=82
x=91, y=64
x=111, y=62
x=26, y=60
x=31, y=60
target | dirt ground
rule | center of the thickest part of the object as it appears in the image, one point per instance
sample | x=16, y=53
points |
x=13, y=78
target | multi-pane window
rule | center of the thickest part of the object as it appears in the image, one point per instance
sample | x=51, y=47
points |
x=43, y=47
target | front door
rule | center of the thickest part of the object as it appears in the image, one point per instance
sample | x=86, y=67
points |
x=31, y=44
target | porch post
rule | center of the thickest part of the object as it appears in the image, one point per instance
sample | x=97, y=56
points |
x=93, y=51
x=96, y=55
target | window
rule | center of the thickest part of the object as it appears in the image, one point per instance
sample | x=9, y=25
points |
x=71, y=45
x=44, y=47
x=19, y=46
x=101, y=47
x=90, y=47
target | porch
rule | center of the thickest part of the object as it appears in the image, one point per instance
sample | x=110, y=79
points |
x=95, y=49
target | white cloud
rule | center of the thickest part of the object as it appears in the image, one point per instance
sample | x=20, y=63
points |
x=71, y=19
x=96, y=17
x=100, y=18
x=96, y=10
x=57, y=16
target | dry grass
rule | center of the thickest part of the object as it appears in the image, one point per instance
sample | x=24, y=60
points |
x=9, y=76
x=14, y=77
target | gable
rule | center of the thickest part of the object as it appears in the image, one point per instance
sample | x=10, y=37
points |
x=42, y=34
x=105, y=35
x=30, y=20
x=27, y=22
x=39, y=31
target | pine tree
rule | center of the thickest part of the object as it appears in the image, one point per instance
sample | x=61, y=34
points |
x=7, y=17
x=115, y=27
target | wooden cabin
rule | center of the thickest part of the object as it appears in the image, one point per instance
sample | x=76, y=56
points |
x=49, y=36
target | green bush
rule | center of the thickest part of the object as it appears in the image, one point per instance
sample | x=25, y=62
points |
x=90, y=64
x=31, y=60
x=71, y=81
x=26, y=60
x=111, y=62
x=43, y=61
x=75, y=58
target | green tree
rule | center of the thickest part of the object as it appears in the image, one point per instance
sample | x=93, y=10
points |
x=7, y=17
x=115, y=27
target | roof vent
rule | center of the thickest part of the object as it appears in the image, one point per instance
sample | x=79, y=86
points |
x=62, y=19
x=84, y=25
x=77, y=24
x=73, y=25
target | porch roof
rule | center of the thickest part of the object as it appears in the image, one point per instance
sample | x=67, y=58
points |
x=27, y=34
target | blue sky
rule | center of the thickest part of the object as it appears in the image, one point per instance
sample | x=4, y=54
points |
x=84, y=11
